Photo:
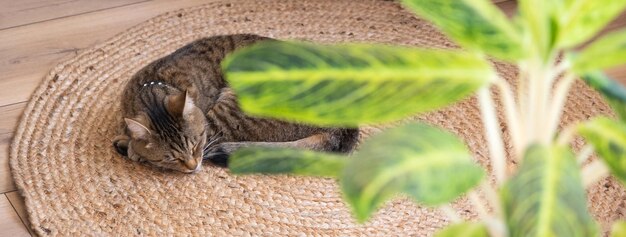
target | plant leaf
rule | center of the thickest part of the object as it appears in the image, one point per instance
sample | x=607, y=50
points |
x=539, y=20
x=619, y=229
x=349, y=85
x=546, y=197
x=286, y=161
x=430, y=165
x=607, y=52
x=474, y=24
x=465, y=229
x=613, y=91
x=608, y=138
x=585, y=18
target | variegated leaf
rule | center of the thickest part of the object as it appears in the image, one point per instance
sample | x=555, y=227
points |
x=430, y=165
x=546, y=196
x=349, y=85
x=286, y=161
x=609, y=51
x=619, y=229
x=612, y=91
x=474, y=24
x=538, y=18
x=582, y=19
x=465, y=229
x=608, y=138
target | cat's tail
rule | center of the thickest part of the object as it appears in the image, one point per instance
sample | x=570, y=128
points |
x=348, y=139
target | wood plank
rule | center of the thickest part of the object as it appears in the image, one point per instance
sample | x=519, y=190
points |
x=10, y=223
x=17, y=13
x=9, y=116
x=17, y=201
x=28, y=52
x=6, y=181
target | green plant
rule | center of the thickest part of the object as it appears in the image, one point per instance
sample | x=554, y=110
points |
x=357, y=84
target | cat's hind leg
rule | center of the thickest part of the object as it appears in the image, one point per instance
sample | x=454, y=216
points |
x=343, y=140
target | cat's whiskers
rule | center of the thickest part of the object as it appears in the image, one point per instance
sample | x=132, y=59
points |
x=210, y=144
x=213, y=140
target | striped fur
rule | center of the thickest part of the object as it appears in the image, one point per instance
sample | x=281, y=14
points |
x=179, y=110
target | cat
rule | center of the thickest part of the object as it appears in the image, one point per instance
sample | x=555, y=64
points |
x=179, y=111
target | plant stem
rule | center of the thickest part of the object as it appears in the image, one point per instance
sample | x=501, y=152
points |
x=594, y=172
x=512, y=114
x=537, y=109
x=492, y=198
x=543, y=108
x=566, y=135
x=560, y=68
x=584, y=154
x=522, y=95
x=496, y=228
x=493, y=133
x=558, y=102
x=531, y=103
x=478, y=204
x=494, y=225
x=450, y=213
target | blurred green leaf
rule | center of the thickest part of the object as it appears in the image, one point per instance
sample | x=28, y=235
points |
x=619, y=229
x=430, y=165
x=349, y=85
x=583, y=19
x=474, y=24
x=286, y=161
x=613, y=91
x=608, y=138
x=539, y=20
x=607, y=52
x=546, y=196
x=465, y=229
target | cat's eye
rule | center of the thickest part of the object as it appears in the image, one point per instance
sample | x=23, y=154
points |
x=197, y=149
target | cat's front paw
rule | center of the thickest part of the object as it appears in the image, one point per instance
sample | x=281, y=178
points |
x=120, y=143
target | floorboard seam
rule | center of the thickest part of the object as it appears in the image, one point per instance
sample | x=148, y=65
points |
x=17, y=213
x=82, y=13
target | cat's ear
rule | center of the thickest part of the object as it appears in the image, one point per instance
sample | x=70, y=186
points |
x=136, y=129
x=189, y=105
x=180, y=105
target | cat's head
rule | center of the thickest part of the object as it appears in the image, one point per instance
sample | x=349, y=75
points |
x=170, y=136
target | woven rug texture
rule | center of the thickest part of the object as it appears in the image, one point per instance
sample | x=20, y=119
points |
x=75, y=184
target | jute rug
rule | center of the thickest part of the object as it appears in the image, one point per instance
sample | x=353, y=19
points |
x=74, y=183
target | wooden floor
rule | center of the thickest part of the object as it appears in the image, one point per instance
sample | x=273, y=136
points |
x=37, y=34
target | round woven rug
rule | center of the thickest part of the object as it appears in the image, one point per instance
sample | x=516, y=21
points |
x=74, y=183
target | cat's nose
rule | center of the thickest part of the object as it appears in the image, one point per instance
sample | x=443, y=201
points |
x=191, y=164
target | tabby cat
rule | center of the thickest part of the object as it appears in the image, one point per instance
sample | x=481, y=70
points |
x=179, y=111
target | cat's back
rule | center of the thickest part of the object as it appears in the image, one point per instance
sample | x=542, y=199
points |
x=203, y=57
x=194, y=67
